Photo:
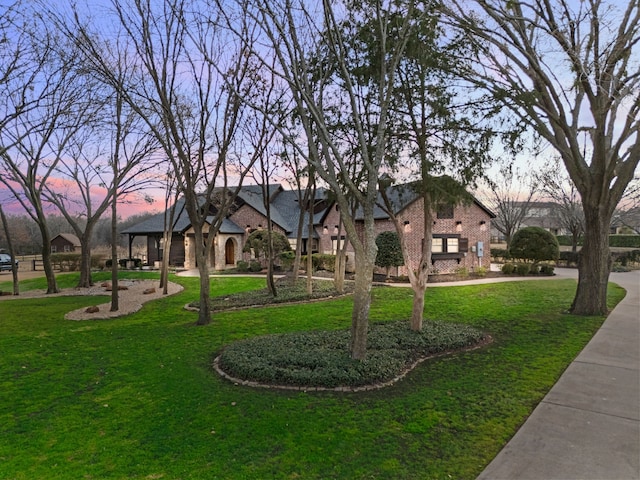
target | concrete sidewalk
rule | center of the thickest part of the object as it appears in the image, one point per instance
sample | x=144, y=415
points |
x=588, y=425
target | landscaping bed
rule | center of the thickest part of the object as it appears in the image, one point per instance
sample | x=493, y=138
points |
x=321, y=359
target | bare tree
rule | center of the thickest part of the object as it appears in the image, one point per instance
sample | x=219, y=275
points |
x=44, y=105
x=570, y=71
x=187, y=91
x=93, y=179
x=557, y=186
x=301, y=39
x=510, y=195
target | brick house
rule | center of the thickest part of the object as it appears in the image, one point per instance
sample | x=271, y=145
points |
x=65, y=243
x=460, y=233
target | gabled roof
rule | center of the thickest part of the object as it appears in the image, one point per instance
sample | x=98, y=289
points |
x=284, y=209
x=403, y=195
x=69, y=237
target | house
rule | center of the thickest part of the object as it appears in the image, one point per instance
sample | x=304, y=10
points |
x=461, y=234
x=65, y=243
x=247, y=214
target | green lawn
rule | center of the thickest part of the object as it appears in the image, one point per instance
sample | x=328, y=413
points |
x=136, y=397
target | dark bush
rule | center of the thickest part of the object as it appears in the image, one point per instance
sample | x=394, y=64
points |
x=508, y=268
x=389, y=250
x=626, y=258
x=287, y=259
x=242, y=266
x=255, y=266
x=569, y=258
x=534, y=244
x=523, y=269
x=499, y=254
x=320, y=261
x=546, y=269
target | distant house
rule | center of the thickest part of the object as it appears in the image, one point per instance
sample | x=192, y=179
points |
x=65, y=243
x=461, y=234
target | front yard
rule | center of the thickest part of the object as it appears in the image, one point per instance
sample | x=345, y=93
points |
x=137, y=398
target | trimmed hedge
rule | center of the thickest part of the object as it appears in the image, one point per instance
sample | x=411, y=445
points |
x=620, y=241
x=624, y=241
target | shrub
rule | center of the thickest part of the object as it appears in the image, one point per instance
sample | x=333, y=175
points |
x=481, y=271
x=499, y=254
x=535, y=244
x=626, y=258
x=546, y=269
x=69, y=262
x=523, y=269
x=258, y=242
x=508, y=268
x=287, y=259
x=242, y=266
x=462, y=272
x=569, y=258
x=389, y=251
x=320, y=261
x=255, y=266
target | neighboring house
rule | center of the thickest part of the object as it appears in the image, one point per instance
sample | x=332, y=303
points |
x=537, y=214
x=461, y=234
x=545, y=215
x=626, y=221
x=65, y=243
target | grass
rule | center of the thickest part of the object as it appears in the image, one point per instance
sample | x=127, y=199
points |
x=136, y=397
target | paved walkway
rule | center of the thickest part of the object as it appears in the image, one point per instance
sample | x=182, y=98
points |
x=588, y=425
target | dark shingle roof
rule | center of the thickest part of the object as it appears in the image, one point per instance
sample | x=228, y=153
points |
x=285, y=211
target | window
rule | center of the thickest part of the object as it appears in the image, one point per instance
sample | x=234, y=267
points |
x=452, y=245
x=443, y=244
x=444, y=211
x=334, y=243
x=447, y=246
x=437, y=245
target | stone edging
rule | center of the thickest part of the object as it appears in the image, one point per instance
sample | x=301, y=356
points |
x=365, y=388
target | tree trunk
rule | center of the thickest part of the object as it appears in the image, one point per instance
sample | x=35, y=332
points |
x=365, y=262
x=594, y=264
x=85, y=259
x=341, y=262
x=271, y=284
x=417, y=309
x=201, y=253
x=164, y=266
x=14, y=270
x=204, y=316
x=115, y=297
x=52, y=285
x=361, y=306
x=312, y=201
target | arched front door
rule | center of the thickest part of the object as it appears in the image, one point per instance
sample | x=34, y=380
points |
x=230, y=252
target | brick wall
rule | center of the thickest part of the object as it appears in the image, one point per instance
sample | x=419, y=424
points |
x=470, y=228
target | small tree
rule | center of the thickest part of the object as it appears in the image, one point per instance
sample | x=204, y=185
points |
x=389, y=251
x=535, y=244
x=258, y=241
